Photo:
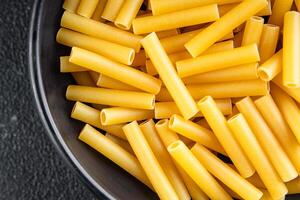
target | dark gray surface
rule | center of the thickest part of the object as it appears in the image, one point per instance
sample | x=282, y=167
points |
x=30, y=167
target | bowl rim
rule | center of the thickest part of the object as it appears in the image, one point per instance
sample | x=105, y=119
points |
x=37, y=88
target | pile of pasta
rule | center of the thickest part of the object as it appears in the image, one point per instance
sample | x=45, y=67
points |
x=197, y=99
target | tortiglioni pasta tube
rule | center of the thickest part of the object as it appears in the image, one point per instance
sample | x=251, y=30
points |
x=112, y=9
x=118, y=115
x=86, y=8
x=110, y=50
x=224, y=25
x=217, y=122
x=195, y=132
x=266, y=138
x=167, y=73
x=189, y=163
x=149, y=162
x=100, y=30
x=115, y=70
x=291, y=50
x=268, y=41
x=253, y=31
x=255, y=153
x=164, y=159
x=114, y=152
x=220, y=60
x=110, y=97
x=178, y=19
x=271, y=68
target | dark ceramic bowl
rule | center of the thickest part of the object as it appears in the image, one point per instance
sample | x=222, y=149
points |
x=102, y=176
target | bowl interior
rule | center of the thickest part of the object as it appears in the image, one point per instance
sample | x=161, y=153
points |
x=103, y=176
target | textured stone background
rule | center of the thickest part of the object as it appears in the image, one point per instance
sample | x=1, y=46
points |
x=30, y=167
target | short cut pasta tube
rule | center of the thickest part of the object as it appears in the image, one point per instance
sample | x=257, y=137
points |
x=90, y=115
x=107, y=82
x=236, y=73
x=112, y=9
x=244, y=135
x=223, y=26
x=149, y=162
x=289, y=109
x=178, y=19
x=99, y=10
x=110, y=50
x=280, y=128
x=66, y=66
x=128, y=12
x=293, y=92
x=268, y=41
x=118, y=115
x=165, y=110
x=253, y=31
x=110, y=97
x=271, y=68
x=291, y=50
x=167, y=73
x=222, y=90
x=268, y=141
x=114, y=152
x=217, y=122
x=225, y=174
x=195, y=132
x=278, y=10
x=220, y=60
x=189, y=163
x=115, y=70
x=164, y=159
x=83, y=78
x=86, y=8
x=71, y=5
x=100, y=30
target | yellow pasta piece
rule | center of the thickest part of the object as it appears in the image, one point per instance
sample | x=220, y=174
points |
x=123, y=143
x=223, y=26
x=225, y=174
x=107, y=82
x=236, y=73
x=266, y=138
x=90, y=115
x=293, y=186
x=278, y=10
x=256, y=154
x=189, y=163
x=71, y=5
x=280, y=128
x=265, y=11
x=110, y=97
x=127, y=13
x=149, y=162
x=164, y=159
x=118, y=115
x=288, y=109
x=178, y=19
x=271, y=68
x=86, y=8
x=291, y=50
x=268, y=41
x=66, y=66
x=100, y=30
x=112, y=9
x=220, y=60
x=167, y=73
x=176, y=43
x=139, y=59
x=110, y=50
x=222, y=90
x=115, y=70
x=217, y=122
x=164, y=110
x=293, y=92
x=195, y=132
x=253, y=31
x=114, y=152
x=167, y=33
x=99, y=10
x=83, y=78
